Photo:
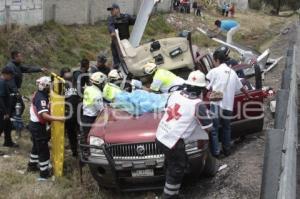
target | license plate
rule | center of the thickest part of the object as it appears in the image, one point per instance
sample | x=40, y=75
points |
x=142, y=173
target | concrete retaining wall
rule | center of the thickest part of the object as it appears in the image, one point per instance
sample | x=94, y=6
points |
x=22, y=12
x=89, y=11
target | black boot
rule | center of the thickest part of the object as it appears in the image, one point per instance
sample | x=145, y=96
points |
x=10, y=144
x=32, y=167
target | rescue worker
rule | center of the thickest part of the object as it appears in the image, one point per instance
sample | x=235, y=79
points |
x=119, y=21
x=112, y=89
x=72, y=100
x=16, y=64
x=230, y=26
x=223, y=79
x=7, y=74
x=231, y=62
x=92, y=103
x=81, y=76
x=163, y=79
x=39, y=117
x=185, y=120
x=101, y=65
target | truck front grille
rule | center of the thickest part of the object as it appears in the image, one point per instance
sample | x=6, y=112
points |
x=134, y=151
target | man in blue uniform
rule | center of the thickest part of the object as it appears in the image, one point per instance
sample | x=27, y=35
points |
x=16, y=64
x=39, y=117
x=119, y=21
x=229, y=26
x=81, y=76
x=101, y=65
x=72, y=101
x=5, y=124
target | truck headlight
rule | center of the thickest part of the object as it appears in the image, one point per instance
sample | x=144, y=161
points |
x=95, y=141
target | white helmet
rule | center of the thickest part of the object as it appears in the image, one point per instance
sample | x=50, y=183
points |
x=150, y=68
x=196, y=78
x=114, y=75
x=98, y=78
x=43, y=82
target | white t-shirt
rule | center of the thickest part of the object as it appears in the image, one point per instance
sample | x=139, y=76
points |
x=218, y=78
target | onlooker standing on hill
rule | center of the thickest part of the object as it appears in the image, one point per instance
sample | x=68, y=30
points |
x=195, y=6
x=232, y=10
x=224, y=7
x=227, y=10
x=199, y=10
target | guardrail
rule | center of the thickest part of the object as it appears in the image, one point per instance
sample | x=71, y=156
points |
x=280, y=160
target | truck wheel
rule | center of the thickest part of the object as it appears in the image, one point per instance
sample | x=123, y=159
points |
x=210, y=168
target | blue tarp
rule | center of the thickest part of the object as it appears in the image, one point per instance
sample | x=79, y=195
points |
x=139, y=102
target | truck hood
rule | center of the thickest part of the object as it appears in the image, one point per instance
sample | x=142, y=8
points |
x=116, y=126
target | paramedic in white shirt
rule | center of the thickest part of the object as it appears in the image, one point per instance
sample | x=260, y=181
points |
x=222, y=78
x=185, y=120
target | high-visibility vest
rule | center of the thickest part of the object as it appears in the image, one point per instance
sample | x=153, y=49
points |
x=110, y=91
x=90, y=93
x=167, y=78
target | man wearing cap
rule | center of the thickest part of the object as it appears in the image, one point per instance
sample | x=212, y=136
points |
x=7, y=74
x=119, y=21
x=101, y=65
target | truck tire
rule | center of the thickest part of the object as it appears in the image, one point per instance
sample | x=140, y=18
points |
x=210, y=167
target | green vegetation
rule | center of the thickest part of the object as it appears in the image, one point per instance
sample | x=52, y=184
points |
x=55, y=46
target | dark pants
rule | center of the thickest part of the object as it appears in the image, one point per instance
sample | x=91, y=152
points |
x=176, y=161
x=40, y=154
x=198, y=12
x=115, y=55
x=72, y=129
x=87, y=123
x=6, y=127
x=220, y=117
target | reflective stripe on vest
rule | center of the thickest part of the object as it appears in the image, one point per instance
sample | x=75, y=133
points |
x=90, y=93
x=165, y=76
x=110, y=91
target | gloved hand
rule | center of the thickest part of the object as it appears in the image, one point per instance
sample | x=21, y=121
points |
x=136, y=84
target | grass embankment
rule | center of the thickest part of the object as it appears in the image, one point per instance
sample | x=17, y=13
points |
x=56, y=46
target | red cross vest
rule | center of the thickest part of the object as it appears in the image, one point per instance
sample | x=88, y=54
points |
x=179, y=120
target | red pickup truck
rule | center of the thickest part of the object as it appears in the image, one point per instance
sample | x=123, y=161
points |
x=121, y=150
